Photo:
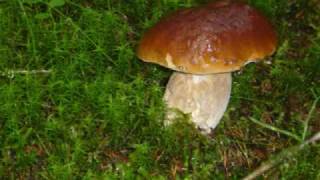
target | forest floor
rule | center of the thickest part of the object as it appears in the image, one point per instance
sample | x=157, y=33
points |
x=76, y=102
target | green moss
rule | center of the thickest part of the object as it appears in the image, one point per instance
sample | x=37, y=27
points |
x=99, y=112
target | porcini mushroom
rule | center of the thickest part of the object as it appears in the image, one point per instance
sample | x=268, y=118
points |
x=204, y=45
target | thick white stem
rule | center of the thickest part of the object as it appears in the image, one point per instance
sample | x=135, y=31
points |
x=204, y=97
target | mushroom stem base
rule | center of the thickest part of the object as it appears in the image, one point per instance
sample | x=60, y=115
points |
x=204, y=97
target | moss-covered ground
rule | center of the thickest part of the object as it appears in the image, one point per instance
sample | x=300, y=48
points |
x=76, y=103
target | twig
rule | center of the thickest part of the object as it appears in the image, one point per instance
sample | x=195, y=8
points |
x=12, y=73
x=283, y=155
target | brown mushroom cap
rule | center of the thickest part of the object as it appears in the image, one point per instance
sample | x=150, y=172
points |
x=218, y=37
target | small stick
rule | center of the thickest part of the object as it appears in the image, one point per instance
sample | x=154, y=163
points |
x=283, y=155
x=11, y=73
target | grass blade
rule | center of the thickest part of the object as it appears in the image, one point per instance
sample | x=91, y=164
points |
x=275, y=129
x=306, y=122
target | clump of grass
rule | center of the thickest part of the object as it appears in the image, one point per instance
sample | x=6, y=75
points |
x=76, y=101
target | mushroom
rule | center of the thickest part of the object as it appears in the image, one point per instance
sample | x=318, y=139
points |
x=203, y=45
